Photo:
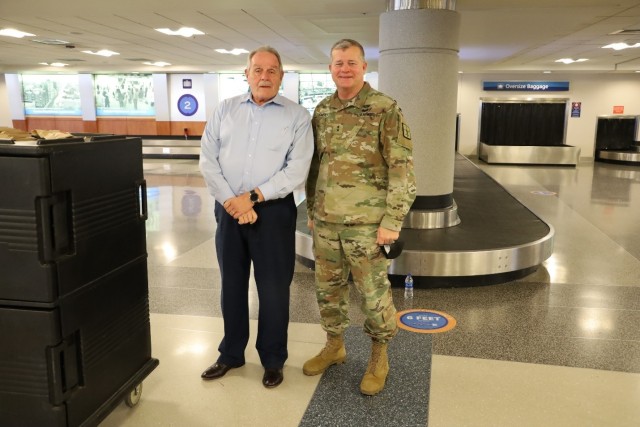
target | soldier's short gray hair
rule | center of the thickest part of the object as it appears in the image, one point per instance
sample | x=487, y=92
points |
x=346, y=44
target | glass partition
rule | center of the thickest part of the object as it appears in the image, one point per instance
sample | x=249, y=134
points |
x=314, y=87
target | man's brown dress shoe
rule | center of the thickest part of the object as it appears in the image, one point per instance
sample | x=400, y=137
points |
x=272, y=377
x=217, y=370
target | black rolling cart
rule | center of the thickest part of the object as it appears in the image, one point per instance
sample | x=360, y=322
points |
x=74, y=312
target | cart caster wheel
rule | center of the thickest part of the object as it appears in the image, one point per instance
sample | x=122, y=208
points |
x=133, y=398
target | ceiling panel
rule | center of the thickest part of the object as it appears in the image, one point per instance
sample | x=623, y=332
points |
x=496, y=35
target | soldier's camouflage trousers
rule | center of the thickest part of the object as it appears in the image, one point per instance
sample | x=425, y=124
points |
x=340, y=249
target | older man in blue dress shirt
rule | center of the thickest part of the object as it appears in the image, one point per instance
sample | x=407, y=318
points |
x=256, y=148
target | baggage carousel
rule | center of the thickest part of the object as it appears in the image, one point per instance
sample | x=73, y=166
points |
x=497, y=240
x=561, y=155
x=171, y=148
x=630, y=156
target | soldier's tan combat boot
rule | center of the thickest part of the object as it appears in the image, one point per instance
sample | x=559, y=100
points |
x=376, y=374
x=333, y=353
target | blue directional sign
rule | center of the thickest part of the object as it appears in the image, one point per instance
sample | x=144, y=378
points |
x=508, y=86
x=187, y=105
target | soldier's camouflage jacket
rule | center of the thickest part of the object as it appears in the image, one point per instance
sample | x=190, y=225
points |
x=362, y=168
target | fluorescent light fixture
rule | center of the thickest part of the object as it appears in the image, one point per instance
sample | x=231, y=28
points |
x=51, y=42
x=184, y=32
x=620, y=46
x=103, y=52
x=54, y=64
x=546, y=72
x=570, y=60
x=10, y=32
x=157, y=63
x=235, y=51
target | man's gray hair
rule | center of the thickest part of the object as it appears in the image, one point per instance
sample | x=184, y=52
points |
x=264, y=49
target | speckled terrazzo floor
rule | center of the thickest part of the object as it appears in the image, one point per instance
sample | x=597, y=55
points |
x=560, y=347
x=404, y=400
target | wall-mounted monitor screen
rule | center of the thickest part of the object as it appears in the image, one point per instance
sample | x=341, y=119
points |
x=51, y=95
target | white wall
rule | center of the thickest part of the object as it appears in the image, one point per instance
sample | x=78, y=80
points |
x=291, y=86
x=598, y=93
x=87, y=97
x=5, y=114
x=161, y=97
x=211, y=93
x=197, y=90
x=14, y=97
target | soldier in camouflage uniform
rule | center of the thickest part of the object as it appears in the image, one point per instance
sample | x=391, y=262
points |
x=360, y=187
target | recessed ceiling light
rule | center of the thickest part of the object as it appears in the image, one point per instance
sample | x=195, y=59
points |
x=546, y=72
x=628, y=31
x=157, y=63
x=184, y=32
x=235, y=51
x=570, y=60
x=620, y=46
x=103, y=52
x=54, y=64
x=10, y=32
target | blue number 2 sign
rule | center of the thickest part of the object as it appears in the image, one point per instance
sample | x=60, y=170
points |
x=187, y=105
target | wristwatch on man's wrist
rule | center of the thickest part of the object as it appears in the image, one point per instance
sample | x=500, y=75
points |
x=254, y=197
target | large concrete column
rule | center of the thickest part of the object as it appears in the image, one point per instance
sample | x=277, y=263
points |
x=418, y=67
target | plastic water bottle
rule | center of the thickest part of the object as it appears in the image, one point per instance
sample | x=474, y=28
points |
x=408, y=287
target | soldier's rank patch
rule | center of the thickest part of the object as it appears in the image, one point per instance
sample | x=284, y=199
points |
x=405, y=131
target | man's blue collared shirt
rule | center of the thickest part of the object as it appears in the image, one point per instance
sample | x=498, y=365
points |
x=245, y=146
